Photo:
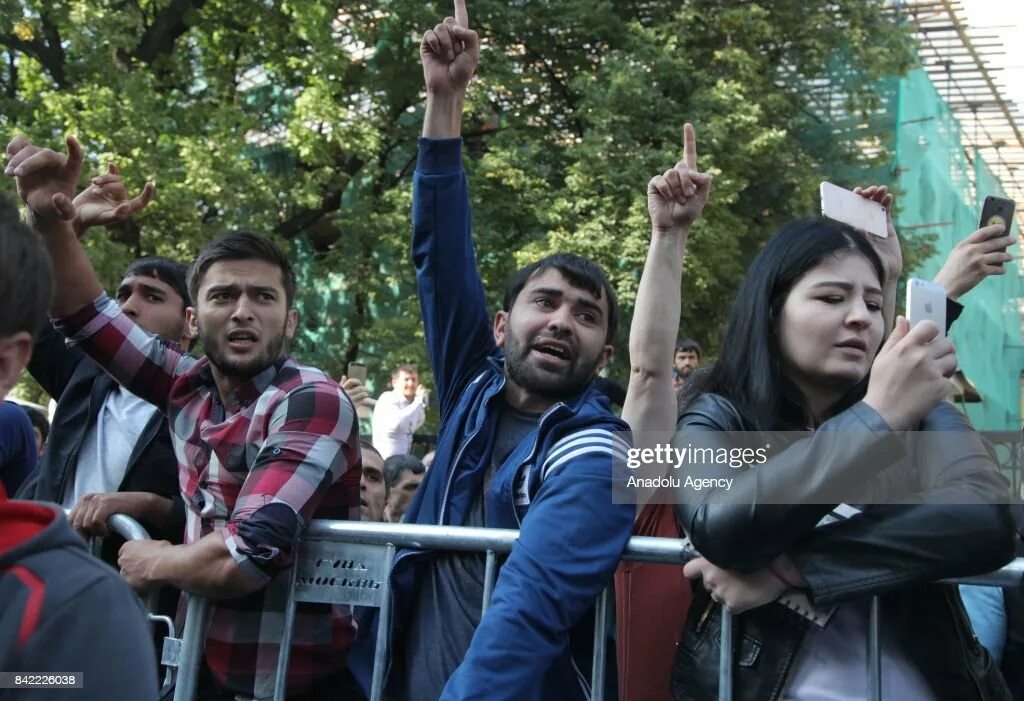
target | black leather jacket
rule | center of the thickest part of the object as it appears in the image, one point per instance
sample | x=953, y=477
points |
x=896, y=550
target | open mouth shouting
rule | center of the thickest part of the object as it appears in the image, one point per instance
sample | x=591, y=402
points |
x=553, y=354
x=242, y=340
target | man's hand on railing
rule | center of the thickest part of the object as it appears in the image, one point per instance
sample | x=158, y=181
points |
x=137, y=559
x=90, y=515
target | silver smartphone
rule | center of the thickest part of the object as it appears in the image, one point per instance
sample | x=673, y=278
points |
x=926, y=300
x=850, y=208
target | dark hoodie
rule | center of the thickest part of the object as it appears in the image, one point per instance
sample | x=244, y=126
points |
x=65, y=611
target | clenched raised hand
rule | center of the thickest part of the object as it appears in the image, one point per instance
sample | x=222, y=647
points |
x=46, y=179
x=676, y=198
x=450, y=52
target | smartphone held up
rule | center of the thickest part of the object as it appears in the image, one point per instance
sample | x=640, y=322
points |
x=358, y=371
x=997, y=210
x=926, y=301
x=850, y=208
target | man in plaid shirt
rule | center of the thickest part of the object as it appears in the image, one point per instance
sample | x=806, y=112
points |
x=263, y=444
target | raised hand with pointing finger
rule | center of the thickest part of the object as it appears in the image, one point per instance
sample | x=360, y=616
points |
x=676, y=198
x=449, y=53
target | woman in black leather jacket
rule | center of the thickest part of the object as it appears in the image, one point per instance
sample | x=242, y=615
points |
x=805, y=330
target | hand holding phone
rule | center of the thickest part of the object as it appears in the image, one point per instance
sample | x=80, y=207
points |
x=910, y=375
x=973, y=259
x=997, y=210
x=851, y=208
x=358, y=371
x=424, y=394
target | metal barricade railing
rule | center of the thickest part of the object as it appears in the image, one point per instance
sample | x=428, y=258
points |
x=190, y=654
x=348, y=563
x=130, y=529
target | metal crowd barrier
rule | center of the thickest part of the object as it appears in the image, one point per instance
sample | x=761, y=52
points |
x=130, y=529
x=348, y=563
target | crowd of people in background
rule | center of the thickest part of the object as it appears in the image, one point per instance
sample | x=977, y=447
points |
x=226, y=457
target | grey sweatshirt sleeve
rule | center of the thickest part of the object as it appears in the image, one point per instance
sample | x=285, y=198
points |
x=101, y=633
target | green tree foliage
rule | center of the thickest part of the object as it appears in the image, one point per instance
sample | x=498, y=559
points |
x=299, y=118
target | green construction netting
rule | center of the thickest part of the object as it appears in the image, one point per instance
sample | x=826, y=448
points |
x=941, y=193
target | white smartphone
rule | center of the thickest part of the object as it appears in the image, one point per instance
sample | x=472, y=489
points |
x=850, y=208
x=926, y=301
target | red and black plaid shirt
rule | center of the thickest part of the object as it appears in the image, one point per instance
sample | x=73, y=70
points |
x=288, y=436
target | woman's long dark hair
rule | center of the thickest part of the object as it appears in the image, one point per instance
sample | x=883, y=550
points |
x=749, y=368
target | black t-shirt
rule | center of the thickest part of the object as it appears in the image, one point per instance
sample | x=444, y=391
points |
x=449, y=598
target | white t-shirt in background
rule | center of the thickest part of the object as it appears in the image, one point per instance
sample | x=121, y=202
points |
x=103, y=457
x=395, y=420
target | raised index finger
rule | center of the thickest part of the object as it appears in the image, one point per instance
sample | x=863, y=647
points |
x=690, y=146
x=461, y=16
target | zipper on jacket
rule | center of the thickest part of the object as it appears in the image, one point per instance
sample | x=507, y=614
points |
x=440, y=521
x=462, y=448
x=533, y=448
x=969, y=669
x=704, y=616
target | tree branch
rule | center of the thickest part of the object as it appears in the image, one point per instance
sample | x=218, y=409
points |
x=12, y=75
x=161, y=34
x=46, y=49
x=54, y=60
x=537, y=59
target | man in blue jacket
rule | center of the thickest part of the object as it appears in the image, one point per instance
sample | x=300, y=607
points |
x=525, y=442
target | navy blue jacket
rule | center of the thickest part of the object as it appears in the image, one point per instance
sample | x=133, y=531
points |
x=18, y=454
x=536, y=638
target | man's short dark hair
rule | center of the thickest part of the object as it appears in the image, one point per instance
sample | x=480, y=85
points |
x=688, y=344
x=170, y=272
x=581, y=273
x=407, y=368
x=242, y=245
x=396, y=465
x=38, y=420
x=26, y=275
x=366, y=446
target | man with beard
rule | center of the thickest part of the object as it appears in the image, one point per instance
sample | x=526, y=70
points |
x=263, y=444
x=685, y=361
x=525, y=443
